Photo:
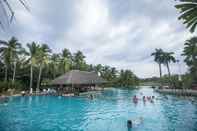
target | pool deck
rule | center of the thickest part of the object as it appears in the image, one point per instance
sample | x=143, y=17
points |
x=186, y=92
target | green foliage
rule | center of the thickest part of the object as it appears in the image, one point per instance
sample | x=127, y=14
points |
x=38, y=65
x=10, y=52
x=79, y=62
x=158, y=59
x=158, y=55
x=187, y=81
x=190, y=53
x=188, y=11
x=165, y=58
x=127, y=79
x=4, y=86
x=173, y=81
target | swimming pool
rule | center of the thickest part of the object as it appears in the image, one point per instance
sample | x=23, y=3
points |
x=108, y=111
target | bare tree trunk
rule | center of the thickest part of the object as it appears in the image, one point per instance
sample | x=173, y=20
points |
x=169, y=73
x=14, y=73
x=160, y=74
x=54, y=72
x=31, y=77
x=39, y=77
x=160, y=71
x=6, y=73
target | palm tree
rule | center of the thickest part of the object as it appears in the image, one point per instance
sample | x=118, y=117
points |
x=33, y=48
x=98, y=69
x=55, y=61
x=66, y=60
x=10, y=50
x=188, y=10
x=126, y=78
x=5, y=56
x=42, y=58
x=79, y=61
x=158, y=59
x=168, y=58
x=190, y=53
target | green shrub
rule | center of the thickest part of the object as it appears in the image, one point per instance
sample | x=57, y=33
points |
x=187, y=81
x=4, y=86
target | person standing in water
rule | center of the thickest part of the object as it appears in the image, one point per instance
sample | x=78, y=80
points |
x=91, y=97
x=144, y=99
x=135, y=99
x=129, y=124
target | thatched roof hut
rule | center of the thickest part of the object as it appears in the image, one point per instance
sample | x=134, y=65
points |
x=76, y=77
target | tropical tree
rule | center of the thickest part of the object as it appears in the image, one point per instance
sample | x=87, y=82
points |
x=106, y=73
x=42, y=57
x=158, y=59
x=190, y=53
x=167, y=58
x=79, y=61
x=54, y=62
x=32, y=53
x=10, y=52
x=66, y=60
x=5, y=56
x=126, y=78
x=98, y=68
x=38, y=60
x=188, y=10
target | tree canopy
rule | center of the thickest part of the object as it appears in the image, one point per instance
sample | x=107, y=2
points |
x=39, y=65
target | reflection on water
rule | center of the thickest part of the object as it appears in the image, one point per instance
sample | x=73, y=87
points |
x=108, y=111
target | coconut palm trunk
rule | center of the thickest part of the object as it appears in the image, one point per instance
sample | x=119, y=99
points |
x=168, y=68
x=31, y=77
x=169, y=74
x=54, y=72
x=14, y=73
x=160, y=71
x=39, y=77
x=6, y=73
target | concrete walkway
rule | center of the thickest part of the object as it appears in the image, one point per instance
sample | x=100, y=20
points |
x=186, y=92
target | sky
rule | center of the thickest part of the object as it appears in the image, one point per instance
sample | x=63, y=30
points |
x=118, y=33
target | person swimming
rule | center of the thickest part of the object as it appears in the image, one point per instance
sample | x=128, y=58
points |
x=131, y=123
x=135, y=99
x=148, y=97
x=91, y=97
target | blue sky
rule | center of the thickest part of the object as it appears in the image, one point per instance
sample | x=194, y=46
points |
x=119, y=33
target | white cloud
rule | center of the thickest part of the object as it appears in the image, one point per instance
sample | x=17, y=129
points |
x=123, y=37
x=93, y=17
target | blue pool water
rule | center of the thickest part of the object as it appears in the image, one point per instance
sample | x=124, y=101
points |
x=109, y=111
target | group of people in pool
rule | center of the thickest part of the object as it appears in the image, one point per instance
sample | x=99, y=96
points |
x=144, y=98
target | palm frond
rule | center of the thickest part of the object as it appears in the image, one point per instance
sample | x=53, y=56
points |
x=2, y=42
x=9, y=12
x=24, y=3
x=188, y=10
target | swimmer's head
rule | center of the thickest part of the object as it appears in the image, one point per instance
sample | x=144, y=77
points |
x=129, y=123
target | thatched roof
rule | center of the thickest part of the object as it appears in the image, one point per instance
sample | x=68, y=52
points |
x=77, y=77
